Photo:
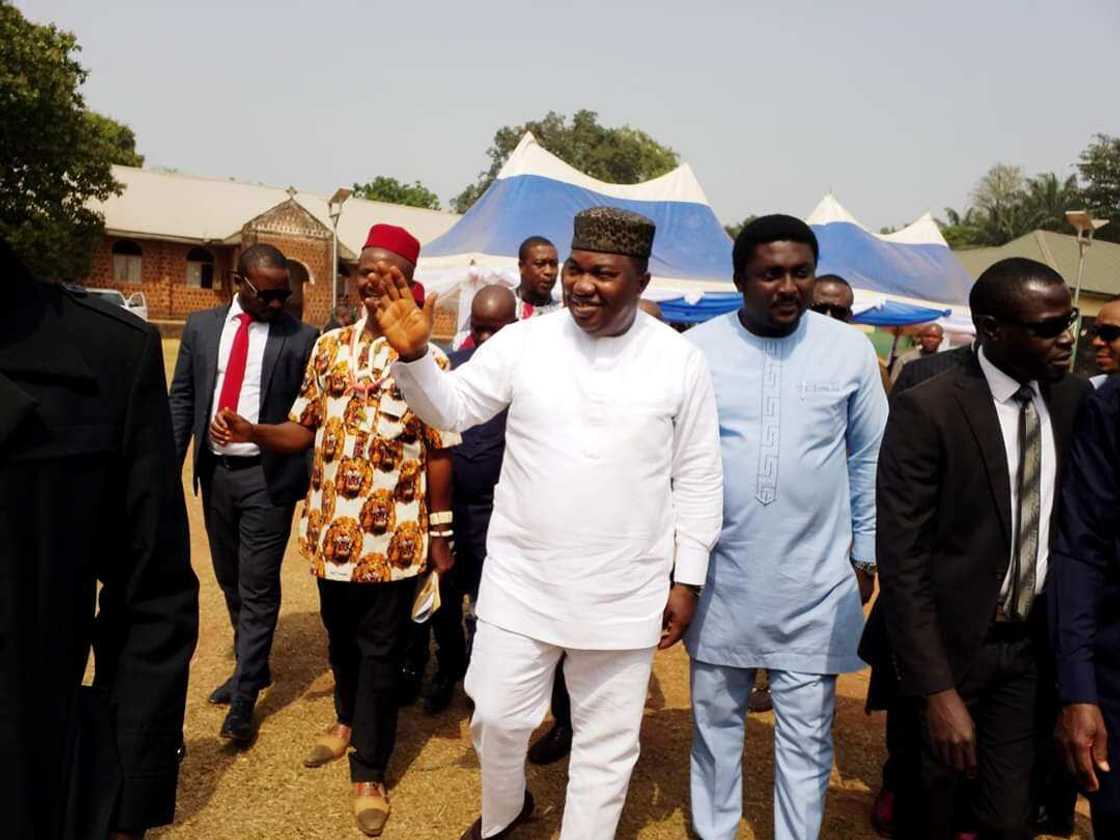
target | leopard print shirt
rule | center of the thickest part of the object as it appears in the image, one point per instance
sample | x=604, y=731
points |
x=365, y=519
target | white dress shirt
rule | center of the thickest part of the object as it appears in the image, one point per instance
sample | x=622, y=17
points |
x=1003, y=389
x=612, y=467
x=249, y=404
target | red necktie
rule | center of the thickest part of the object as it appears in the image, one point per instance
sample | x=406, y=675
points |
x=235, y=367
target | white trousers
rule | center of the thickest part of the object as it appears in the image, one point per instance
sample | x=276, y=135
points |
x=510, y=680
x=803, y=710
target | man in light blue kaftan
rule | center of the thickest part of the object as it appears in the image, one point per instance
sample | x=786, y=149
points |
x=802, y=412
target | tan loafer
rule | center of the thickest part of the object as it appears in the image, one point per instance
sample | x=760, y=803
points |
x=332, y=744
x=371, y=807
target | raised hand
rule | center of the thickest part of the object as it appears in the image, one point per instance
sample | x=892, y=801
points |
x=405, y=326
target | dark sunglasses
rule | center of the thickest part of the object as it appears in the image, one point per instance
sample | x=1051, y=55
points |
x=840, y=313
x=268, y=295
x=1051, y=327
x=1106, y=332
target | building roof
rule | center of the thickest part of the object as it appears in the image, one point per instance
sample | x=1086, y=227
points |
x=1059, y=251
x=187, y=208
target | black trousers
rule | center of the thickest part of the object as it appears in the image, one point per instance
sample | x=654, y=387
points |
x=561, y=700
x=447, y=626
x=248, y=535
x=1001, y=693
x=367, y=631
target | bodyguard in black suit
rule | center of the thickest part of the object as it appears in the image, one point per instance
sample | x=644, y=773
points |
x=249, y=356
x=89, y=493
x=965, y=498
x=927, y=367
x=1085, y=607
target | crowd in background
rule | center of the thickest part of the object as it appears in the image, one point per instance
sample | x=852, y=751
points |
x=574, y=487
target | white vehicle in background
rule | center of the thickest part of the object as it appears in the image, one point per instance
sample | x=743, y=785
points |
x=136, y=303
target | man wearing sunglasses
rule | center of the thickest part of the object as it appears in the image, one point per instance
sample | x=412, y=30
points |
x=1106, y=341
x=248, y=356
x=965, y=503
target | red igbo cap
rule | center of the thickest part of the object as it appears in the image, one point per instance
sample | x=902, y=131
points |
x=395, y=239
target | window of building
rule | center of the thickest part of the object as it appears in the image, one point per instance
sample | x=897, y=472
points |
x=127, y=257
x=200, y=268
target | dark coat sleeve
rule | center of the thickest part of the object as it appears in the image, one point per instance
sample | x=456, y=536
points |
x=148, y=620
x=310, y=336
x=1085, y=548
x=908, y=482
x=182, y=396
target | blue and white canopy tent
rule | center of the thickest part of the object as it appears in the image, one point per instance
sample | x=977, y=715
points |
x=900, y=279
x=537, y=194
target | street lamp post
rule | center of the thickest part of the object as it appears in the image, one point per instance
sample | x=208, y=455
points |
x=334, y=209
x=1085, y=225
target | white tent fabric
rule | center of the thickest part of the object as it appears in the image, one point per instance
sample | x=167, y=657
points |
x=925, y=254
x=537, y=193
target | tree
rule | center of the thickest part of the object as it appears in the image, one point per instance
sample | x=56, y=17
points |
x=1100, y=169
x=118, y=139
x=1007, y=205
x=57, y=156
x=1047, y=199
x=392, y=191
x=960, y=230
x=622, y=155
x=734, y=230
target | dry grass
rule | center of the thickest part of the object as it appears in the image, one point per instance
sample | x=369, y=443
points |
x=265, y=792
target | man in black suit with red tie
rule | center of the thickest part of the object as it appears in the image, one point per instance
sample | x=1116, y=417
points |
x=965, y=500
x=250, y=357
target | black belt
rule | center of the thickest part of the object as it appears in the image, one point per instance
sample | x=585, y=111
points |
x=237, y=462
x=1008, y=631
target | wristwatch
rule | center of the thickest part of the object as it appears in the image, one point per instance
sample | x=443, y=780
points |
x=868, y=567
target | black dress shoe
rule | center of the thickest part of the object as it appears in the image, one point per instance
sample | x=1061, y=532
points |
x=552, y=746
x=475, y=831
x=1051, y=824
x=439, y=694
x=223, y=694
x=408, y=688
x=238, y=725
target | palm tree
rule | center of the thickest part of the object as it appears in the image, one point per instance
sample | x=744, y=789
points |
x=1047, y=199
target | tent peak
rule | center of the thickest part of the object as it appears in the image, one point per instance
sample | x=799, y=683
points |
x=531, y=158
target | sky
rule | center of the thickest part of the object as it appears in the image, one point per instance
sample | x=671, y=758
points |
x=897, y=108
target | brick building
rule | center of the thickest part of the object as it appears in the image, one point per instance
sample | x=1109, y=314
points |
x=176, y=238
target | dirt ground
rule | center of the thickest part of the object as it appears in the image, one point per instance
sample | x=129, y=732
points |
x=265, y=792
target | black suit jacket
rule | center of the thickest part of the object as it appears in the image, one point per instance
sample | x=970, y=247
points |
x=89, y=492
x=943, y=531
x=1085, y=566
x=927, y=367
x=192, y=391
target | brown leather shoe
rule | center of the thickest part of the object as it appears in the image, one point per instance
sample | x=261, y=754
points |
x=332, y=744
x=475, y=831
x=371, y=807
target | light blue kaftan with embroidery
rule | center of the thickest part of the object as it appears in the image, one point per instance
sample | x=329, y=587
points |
x=801, y=419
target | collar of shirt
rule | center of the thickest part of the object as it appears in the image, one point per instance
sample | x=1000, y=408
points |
x=235, y=309
x=1002, y=386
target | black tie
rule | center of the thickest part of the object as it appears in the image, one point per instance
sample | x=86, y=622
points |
x=1024, y=558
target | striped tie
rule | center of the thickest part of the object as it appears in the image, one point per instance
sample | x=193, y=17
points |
x=1025, y=555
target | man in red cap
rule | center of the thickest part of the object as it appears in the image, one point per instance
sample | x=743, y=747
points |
x=377, y=515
